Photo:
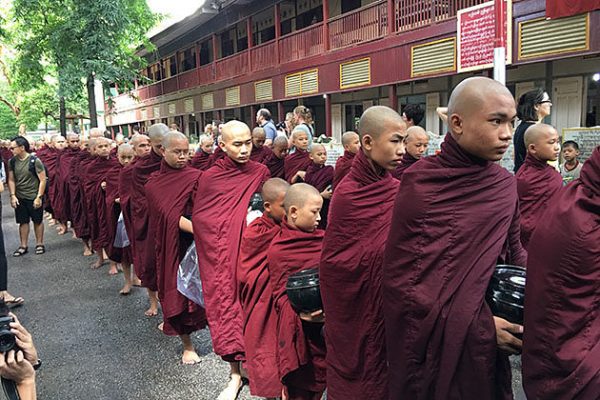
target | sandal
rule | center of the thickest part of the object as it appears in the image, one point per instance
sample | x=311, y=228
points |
x=40, y=249
x=20, y=251
x=15, y=302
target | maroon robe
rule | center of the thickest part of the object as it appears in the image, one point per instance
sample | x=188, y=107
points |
x=301, y=351
x=79, y=217
x=113, y=211
x=256, y=298
x=276, y=166
x=50, y=158
x=143, y=249
x=537, y=182
x=342, y=167
x=561, y=348
x=320, y=176
x=216, y=156
x=58, y=200
x=407, y=161
x=260, y=154
x=350, y=274
x=65, y=170
x=448, y=230
x=297, y=161
x=169, y=194
x=125, y=185
x=200, y=160
x=219, y=220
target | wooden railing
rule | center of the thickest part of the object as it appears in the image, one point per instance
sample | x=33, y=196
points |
x=206, y=73
x=231, y=66
x=263, y=56
x=170, y=85
x=188, y=79
x=361, y=25
x=300, y=44
x=413, y=14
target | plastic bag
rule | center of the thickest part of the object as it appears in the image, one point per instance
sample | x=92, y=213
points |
x=188, y=277
x=121, y=238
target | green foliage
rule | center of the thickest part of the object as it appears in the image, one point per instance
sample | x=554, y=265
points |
x=9, y=127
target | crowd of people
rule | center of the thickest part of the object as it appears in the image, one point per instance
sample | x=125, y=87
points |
x=405, y=245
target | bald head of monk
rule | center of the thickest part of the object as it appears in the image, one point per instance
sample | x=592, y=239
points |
x=96, y=133
x=416, y=141
x=125, y=154
x=141, y=144
x=481, y=112
x=351, y=142
x=280, y=146
x=273, y=194
x=206, y=144
x=382, y=131
x=303, y=207
x=318, y=154
x=542, y=142
x=102, y=147
x=236, y=141
x=73, y=140
x=299, y=139
x=259, y=137
x=175, y=149
x=59, y=142
x=157, y=133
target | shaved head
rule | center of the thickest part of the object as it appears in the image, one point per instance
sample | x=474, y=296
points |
x=542, y=142
x=416, y=133
x=349, y=137
x=273, y=188
x=298, y=195
x=280, y=141
x=157, y=132
x=172, y=137
x=377, y=119
x=258, y=133
x=204, y=139
x=138, y=138
x=317, y=147
x=96, y=133
x=472, y=92
x=236, y=141
x=537, y=133
x=125, y=149
x=72, y=135
x=230, y=129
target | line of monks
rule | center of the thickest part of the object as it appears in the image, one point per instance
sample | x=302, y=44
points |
x=405, y=252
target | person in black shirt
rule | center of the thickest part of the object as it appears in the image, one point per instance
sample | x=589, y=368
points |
x=533, y=107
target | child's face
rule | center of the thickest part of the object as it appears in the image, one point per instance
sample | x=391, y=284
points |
x=125, y=158
x=102, y=149
x=417, y=146
x=547, y=147
x=275, y=209
x=307, y=217
x=301, y=140
x=207, y=146
x=354, y=146
x=318, y=155
x=569, y=153
x=258, y=140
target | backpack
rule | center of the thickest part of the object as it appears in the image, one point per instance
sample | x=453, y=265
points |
x=32, y=171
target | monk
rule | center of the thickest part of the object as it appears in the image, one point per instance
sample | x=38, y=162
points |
x=65, y=170
x=55, y=193
x=143, y=247
x=169, y=194
x=220, y=208
x=275, y=162
x=297, y=162
x=78, y=209
x=256, y=295
x=201, y=158
x=416, y=143
x=320, y=176
x=351, y=267
x=561, y=344
x=449, y=227
x=260, y=152
x=51, y=159
x=351, y=143
x=141, y=147
x=301, y=346
x=537, y=181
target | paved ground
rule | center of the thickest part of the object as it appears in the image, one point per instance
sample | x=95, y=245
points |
x=95, y=344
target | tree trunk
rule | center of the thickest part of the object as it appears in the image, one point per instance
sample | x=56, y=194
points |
x=63, y=117
x=92, y=101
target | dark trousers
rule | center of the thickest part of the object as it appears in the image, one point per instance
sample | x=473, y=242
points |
x=3, y=262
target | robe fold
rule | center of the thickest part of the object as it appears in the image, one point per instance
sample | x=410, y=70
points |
x=219, y=220
x=200, y=160
x=216, y=156
x=276, y=166
x=65, y=170
x=125, y=187
x=113, y=211
x=448, y=230
x=537, y=182
x=561, y=347
x=297, y=161
x=407, y=161
x=78, y=203
x=350, y=274
x=301, y=351
x=342, y=167
x=256, y=298
x=260, y=154
x=320, y=176
x=50, y=158
x=169, y=194
x=143, y=248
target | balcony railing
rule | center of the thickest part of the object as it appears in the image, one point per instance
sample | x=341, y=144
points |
x=413, y=14
x=263, y=56
x=188, y=79
x=206, y=73
x=361, y=25
x=301, y=44
x=231, y=66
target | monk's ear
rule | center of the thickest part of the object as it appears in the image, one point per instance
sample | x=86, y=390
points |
x=367, y=142
x=161, y=150
x=456, y=124
x=267, y=207
x=222, y=145
x=292, y=213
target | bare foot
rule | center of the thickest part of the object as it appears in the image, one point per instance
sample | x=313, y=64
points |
x=113, y=269
x=151, y=312
x=232, y=390
x=126, y=290
x=161, y=326
x=97, y=264
x=52, y=222
x=137, y=282
x=87, y=252
x=190, y=357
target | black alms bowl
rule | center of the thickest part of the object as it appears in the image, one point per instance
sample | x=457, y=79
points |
x=256, y=202
x=303, y=291
x=506, y=293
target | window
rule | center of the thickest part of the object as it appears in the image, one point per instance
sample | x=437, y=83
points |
x=187, y=59
x=170, y=66
x=155, y=72
x=206, y=52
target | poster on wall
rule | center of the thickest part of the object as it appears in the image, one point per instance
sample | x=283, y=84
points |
x=475, y=32
x=587, y=139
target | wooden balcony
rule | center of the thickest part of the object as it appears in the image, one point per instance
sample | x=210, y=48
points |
x=264, y=56
x=301, y=44
x=362, y=25
x=232, y=66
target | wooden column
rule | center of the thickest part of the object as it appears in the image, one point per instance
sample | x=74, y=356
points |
x=327, y=114
x=277, y=19
x=197, y=46
x=391, y=17
x=214, y=43
x=326, y=24
x=280, y=111
x=253, y=115
x=393, y=97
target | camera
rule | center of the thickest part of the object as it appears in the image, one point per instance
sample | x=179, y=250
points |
x=7, y=338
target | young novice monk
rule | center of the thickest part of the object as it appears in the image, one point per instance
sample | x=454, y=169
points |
x=169, y=193
x=276, y=160
x=351, y=143
x=301, y=346
x=256, y=295
x=356, y=363
x=321, y=177
x=537, y=181
x=571, y=169
x=200, y=159
x=260, y=152
x=297, y=162
x=416, y=143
